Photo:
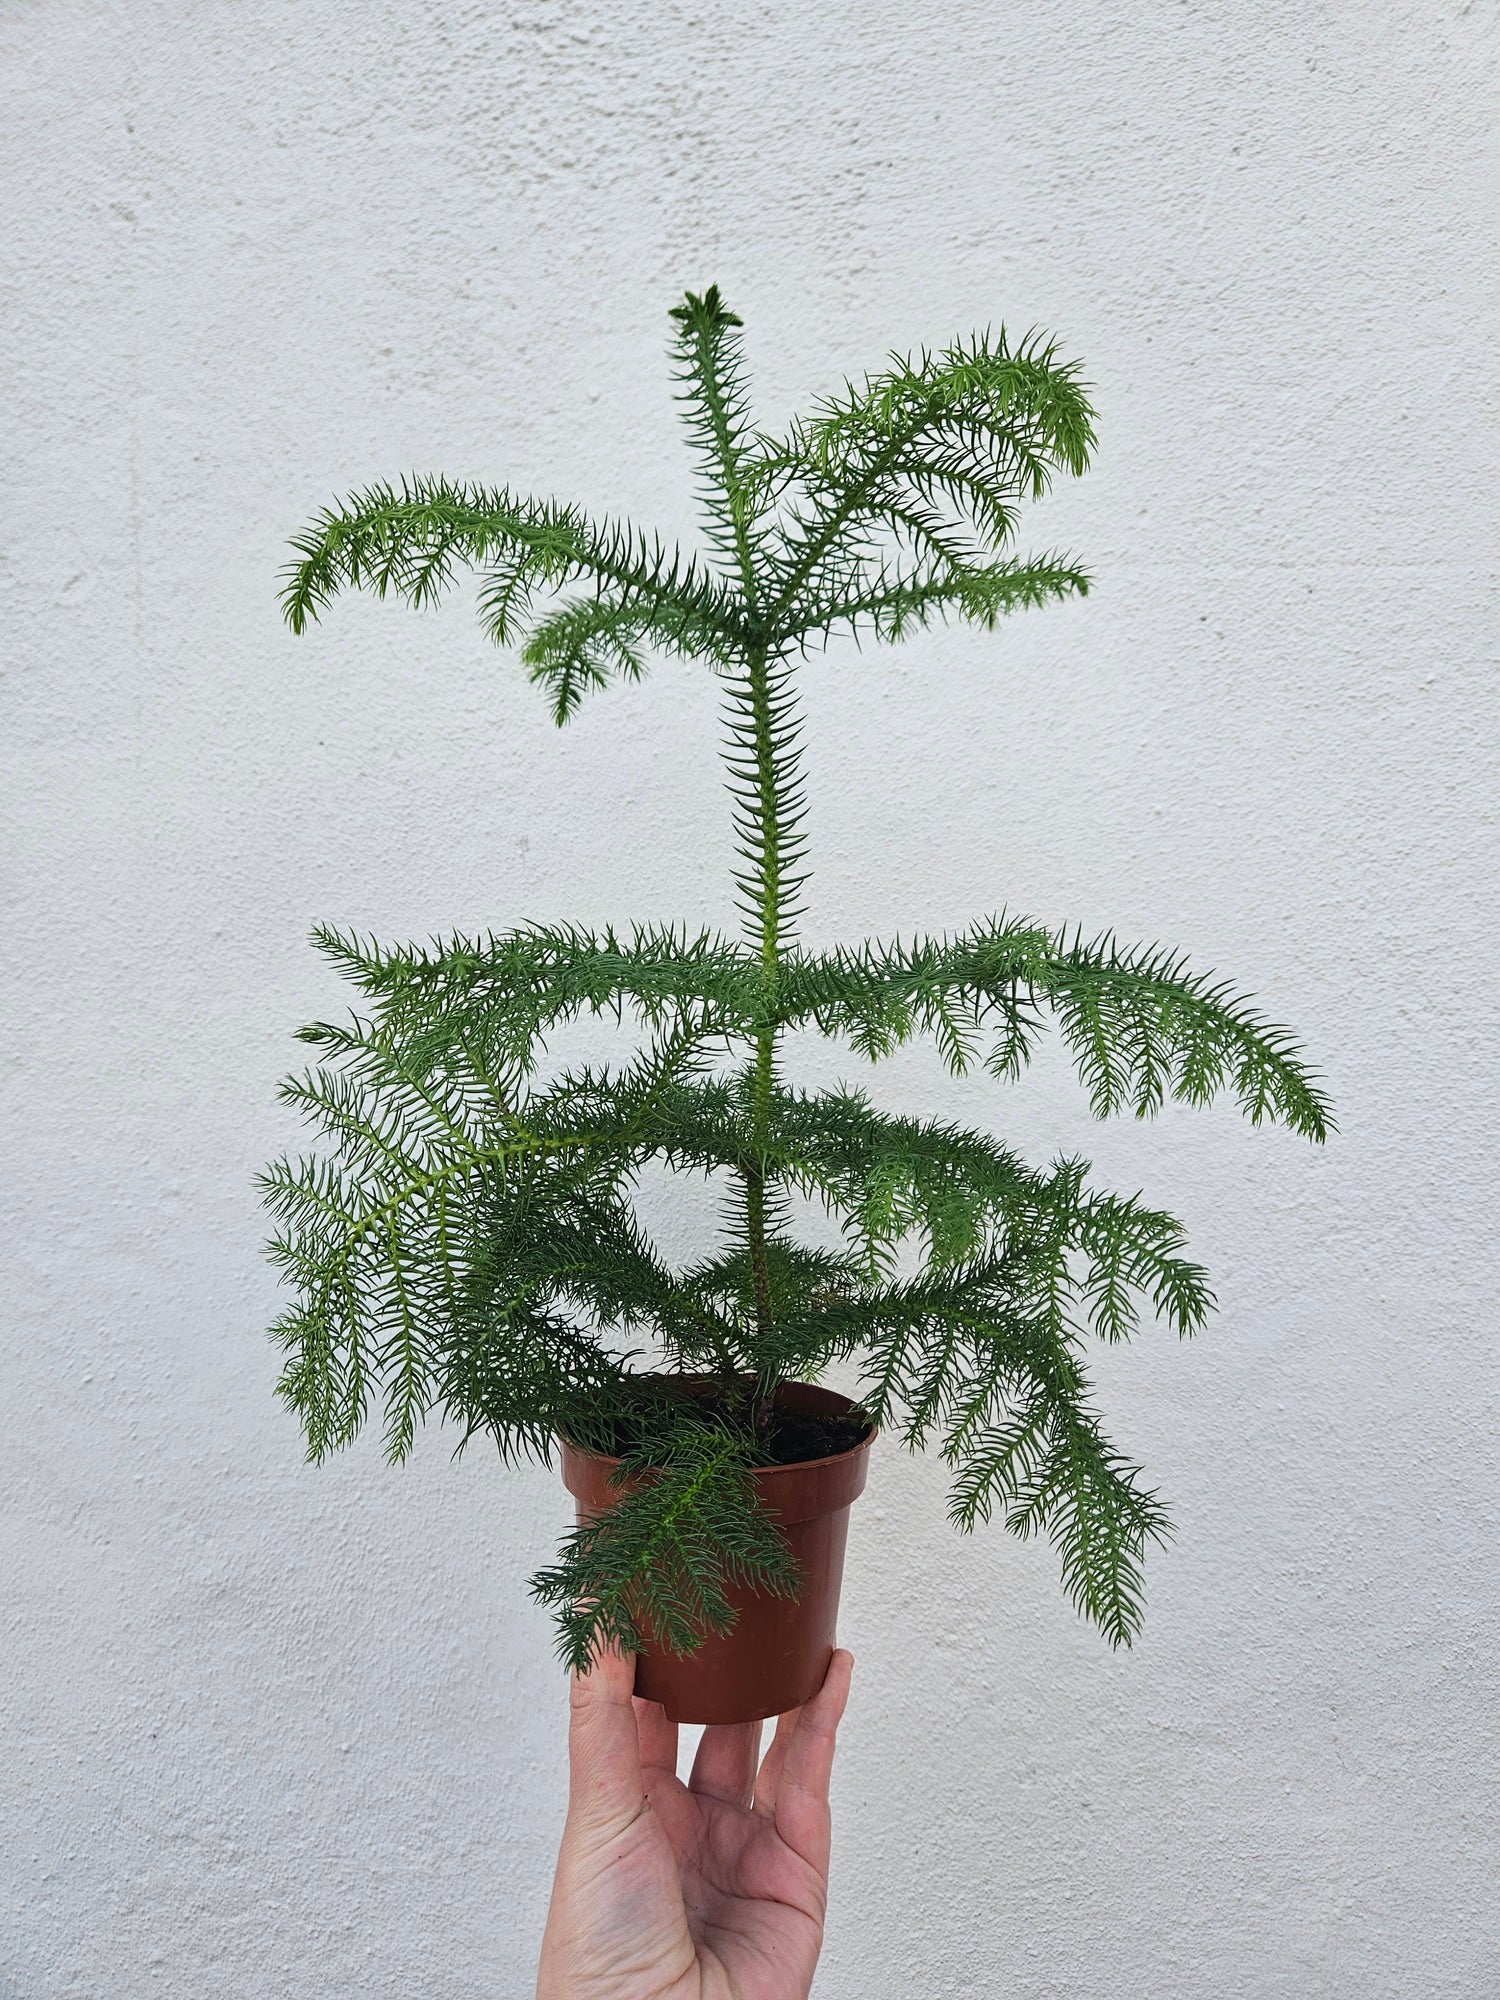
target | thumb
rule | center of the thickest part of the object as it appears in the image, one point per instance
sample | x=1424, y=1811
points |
x=604, y=1752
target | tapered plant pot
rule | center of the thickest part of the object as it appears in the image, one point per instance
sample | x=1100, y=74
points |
x=778, y=1652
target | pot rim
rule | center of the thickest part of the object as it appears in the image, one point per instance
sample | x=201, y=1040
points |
x=758, y=1472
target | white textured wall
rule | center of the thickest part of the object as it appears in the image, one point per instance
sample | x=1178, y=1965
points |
x=293, y=1733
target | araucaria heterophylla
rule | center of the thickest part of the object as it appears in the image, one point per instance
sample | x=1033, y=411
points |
x=467, y=1244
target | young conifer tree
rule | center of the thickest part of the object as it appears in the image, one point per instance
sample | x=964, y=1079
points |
x=468, y=1245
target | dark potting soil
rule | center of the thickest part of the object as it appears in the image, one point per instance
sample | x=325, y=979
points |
x=796, y=1436
x=792, y=1437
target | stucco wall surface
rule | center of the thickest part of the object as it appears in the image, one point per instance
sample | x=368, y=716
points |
x=274, y=1732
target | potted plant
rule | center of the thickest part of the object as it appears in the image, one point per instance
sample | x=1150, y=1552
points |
x=468, y=1245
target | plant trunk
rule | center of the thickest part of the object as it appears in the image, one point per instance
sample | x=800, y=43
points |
x=768, y=898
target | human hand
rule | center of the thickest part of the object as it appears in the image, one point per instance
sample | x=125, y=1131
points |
x=710, y=1890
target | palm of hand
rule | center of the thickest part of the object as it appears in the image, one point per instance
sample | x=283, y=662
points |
x=709, y=1890
x=752, y=1905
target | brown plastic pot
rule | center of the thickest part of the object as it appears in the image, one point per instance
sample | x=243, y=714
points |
x=778, y=1652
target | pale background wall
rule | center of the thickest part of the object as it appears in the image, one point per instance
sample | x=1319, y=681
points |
x=275, y=1731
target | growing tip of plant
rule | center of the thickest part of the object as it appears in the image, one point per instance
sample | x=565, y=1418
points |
x=709, y=308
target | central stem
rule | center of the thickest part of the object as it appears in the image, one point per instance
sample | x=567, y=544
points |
x=767, y=920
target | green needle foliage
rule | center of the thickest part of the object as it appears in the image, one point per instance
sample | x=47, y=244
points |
x=467, y=1243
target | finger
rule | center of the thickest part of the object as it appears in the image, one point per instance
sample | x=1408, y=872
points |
x=604, y=1755
x=658, y=1737
x=724, y=1767
x=802, y=1783
x=768, y=1780
x=769, y=1774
